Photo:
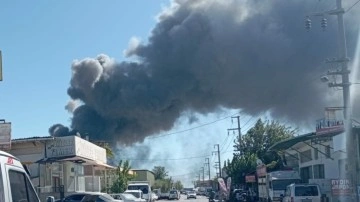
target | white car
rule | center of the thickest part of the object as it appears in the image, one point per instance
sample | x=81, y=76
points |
x=302, y=192
x=191, y=194
x=125, y=197
x=173, y=195
x=136, y=193
x=154, y=196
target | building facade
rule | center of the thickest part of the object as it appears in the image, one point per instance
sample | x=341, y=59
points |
x=319, y=159
x=62, y=165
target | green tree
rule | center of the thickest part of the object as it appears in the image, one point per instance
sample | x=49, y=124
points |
x=160, y=172
x=254, y=145
x=122, y=177
x=178, y=185
x=260, y=138
x=164, y=184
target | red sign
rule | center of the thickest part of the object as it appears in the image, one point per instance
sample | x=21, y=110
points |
x=10, y=161
x=250, y=178
x=341, y=187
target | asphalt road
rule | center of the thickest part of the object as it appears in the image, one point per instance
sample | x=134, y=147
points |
x=183, y=199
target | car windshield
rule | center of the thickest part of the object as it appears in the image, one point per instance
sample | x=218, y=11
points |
x=281, y=184
x=204, y=95
x=306, y=191
x=143, y=188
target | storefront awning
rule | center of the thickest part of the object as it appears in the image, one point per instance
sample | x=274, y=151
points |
x=75, y=159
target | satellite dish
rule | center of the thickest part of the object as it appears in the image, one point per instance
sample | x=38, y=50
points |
x=259, y=162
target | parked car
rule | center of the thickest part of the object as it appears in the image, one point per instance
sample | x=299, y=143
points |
x=76, y=197
x=302, y=192
x=174, y=195
x=191, y=194
x=154, y=196
x=136, y=193
x=91, y=197
x=127, y=197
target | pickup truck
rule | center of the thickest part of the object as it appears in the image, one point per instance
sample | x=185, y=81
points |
x=15, y=184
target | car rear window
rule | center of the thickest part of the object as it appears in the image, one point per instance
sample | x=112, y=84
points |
x=172, y=192
x=306, y=191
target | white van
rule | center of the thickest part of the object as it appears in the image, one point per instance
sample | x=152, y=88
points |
x=302, y=193
x=15, y=184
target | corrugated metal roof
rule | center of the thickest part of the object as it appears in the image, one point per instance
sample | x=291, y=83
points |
x=285, y=144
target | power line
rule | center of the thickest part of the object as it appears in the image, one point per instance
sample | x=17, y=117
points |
x=352, y=6
x=232, y=141
x=183, y=174
x=189, y=129
x=174, y=159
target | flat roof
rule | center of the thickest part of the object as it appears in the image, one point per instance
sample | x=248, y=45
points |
x=143, y=170
x=36, y=138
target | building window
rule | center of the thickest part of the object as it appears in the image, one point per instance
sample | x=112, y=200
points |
x=319, y=171
x=328, y=151
x=305, y=156
x=316, y=153
x=306, y=174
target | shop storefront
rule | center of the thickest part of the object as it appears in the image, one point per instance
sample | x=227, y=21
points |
x=63, y=165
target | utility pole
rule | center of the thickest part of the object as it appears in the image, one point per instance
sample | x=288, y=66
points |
x=207, y=162
x=238, y=129
x=342, y=61
x=203, y=173
x=217, y=152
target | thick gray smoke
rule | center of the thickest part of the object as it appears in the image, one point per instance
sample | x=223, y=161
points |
x=205, y=54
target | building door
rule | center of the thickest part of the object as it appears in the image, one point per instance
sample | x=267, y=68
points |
x=56, y=183
x=306, y=174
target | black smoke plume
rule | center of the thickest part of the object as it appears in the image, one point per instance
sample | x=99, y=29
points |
x=206, y=54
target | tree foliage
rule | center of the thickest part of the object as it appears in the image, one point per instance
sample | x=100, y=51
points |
x=163, y=184
x=160, y=172
x=178, y=185
x=254, y=145
x=122, y=177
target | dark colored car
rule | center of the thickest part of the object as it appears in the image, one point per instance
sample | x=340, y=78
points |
x=97, y=197
x=77, y=197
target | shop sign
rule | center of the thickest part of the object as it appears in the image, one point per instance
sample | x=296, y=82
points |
x=250, y=178
x=61, y=147
x=89, y=150
x=341, y=187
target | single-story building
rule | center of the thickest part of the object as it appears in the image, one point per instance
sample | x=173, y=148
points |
x=63, y=164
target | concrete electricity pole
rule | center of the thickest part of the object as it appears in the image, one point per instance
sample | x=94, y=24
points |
x=203, y=173
x=342, y=61
x=238, y=129
x=207, y=163
x=217, y=152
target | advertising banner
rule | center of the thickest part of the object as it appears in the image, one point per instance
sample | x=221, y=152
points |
x=250, y=178
x=341, y=187
x=228, y=186
x=222, y=184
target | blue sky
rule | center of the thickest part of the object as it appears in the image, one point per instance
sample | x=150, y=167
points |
x=40, y=39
